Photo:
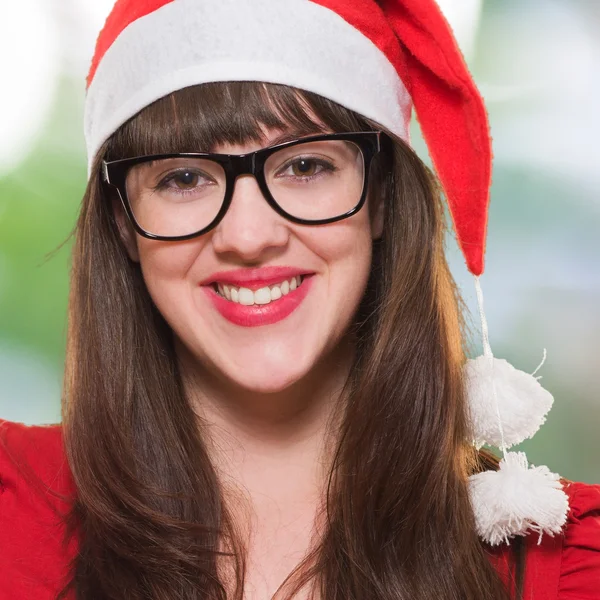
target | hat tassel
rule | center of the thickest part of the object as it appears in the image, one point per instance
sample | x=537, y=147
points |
x=507, y=406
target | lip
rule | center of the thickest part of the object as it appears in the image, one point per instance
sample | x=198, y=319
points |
x=257, y=315
x=254, y=279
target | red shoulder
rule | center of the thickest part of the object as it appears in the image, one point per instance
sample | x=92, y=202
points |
x=580, y=565
x=565, y=566
x=38, y=445
x=36, y=492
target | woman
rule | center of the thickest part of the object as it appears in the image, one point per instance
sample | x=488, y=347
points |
x=263, y=392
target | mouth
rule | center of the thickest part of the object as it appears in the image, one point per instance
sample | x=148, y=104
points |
x=264, y=305
x=260, y=297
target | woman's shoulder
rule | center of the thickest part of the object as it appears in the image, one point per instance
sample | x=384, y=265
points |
x=579, y=575
x=565, y=566
x=37, y=443
x=36, y=493
x=33, y=456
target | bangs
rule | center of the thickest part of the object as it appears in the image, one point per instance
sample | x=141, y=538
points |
x=201, y=117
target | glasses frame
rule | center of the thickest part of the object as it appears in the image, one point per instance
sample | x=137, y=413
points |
x=115, y=174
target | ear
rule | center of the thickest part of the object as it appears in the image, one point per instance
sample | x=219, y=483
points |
x=377, y=215
x=126, y=230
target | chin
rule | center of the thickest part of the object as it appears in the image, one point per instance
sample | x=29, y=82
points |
x=267, y=377
x=269, y=385
x=266, y=360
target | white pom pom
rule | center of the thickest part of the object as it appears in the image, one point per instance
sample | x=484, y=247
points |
x=517, y=499
x=522, y=403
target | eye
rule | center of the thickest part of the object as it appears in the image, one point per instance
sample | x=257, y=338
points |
x=184, y=180
x=304, y=167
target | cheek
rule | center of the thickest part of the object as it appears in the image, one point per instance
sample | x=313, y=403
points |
x=345, y=248
x=165, y=266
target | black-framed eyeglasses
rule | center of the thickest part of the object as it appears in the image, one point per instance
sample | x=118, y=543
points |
x=311, y=181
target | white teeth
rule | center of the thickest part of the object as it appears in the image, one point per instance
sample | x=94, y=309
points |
x=246, y=297
x=276, y=292
x=264, y=295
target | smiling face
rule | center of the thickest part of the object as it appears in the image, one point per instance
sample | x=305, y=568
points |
x=258, y=300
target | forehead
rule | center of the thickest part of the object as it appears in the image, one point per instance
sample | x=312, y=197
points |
x=204, y=117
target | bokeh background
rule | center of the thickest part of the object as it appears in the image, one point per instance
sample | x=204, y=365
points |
x=537, y=63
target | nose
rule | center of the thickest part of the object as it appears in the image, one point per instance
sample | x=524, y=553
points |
x=251, y=228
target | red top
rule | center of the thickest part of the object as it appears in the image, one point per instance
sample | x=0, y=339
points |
x=34, y=564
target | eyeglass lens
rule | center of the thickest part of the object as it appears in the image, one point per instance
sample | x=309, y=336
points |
x=312, y=181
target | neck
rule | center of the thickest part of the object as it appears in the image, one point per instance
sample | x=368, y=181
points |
x=272, y=453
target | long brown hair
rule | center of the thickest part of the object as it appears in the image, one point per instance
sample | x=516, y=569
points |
x=149, y=509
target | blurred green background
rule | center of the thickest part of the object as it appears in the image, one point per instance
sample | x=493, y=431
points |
x=537, y=64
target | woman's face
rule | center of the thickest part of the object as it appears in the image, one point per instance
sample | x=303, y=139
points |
x=264, y=347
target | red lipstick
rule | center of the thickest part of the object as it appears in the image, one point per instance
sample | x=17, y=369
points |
x=255, y=279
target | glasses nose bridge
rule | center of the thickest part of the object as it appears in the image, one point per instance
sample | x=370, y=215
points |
x=243, y=164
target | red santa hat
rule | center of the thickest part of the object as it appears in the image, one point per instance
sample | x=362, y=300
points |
x=378, y=58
